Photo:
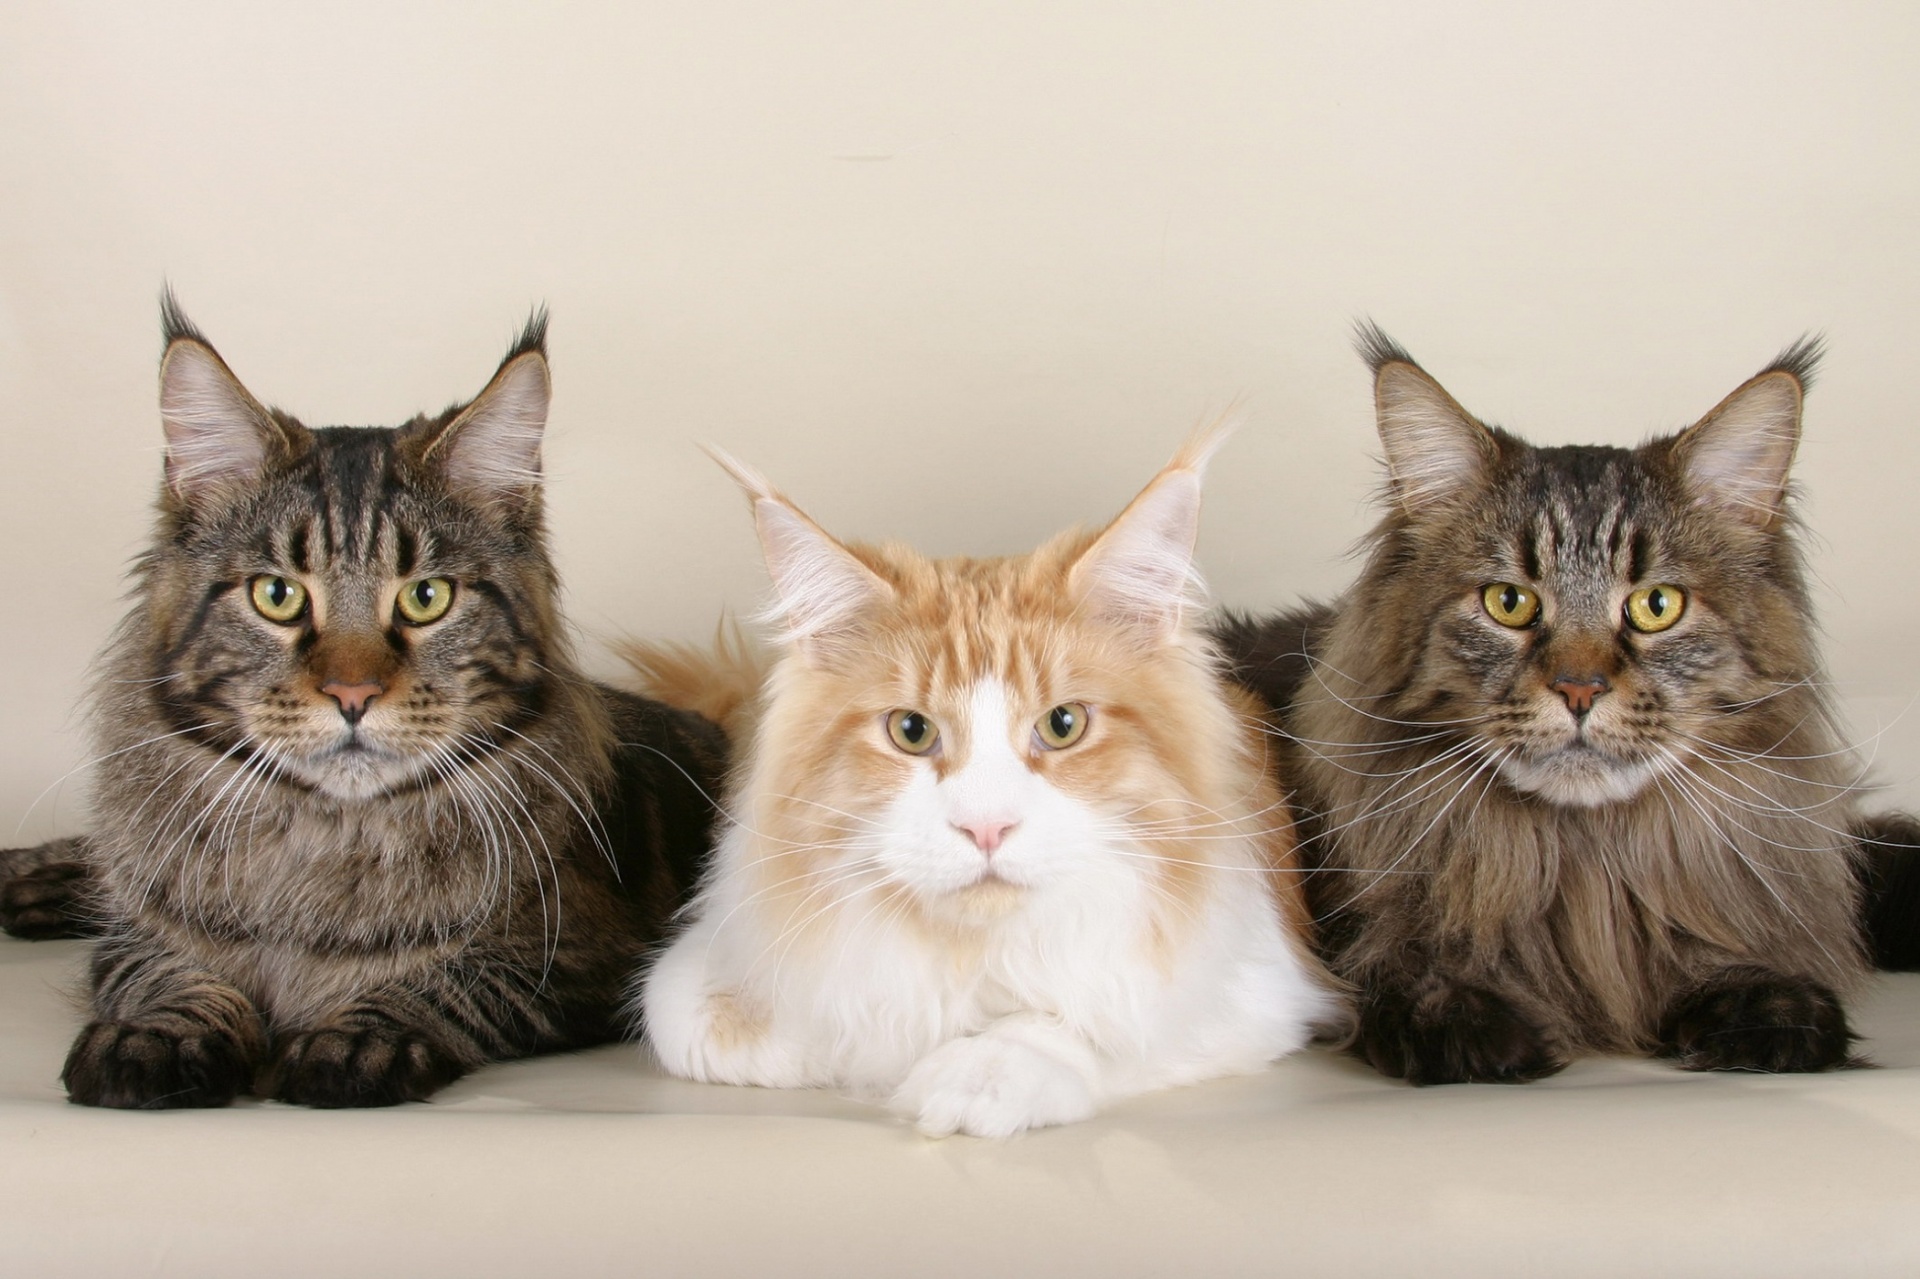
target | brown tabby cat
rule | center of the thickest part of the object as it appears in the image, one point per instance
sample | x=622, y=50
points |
x=1564, y=752
x=362, y=826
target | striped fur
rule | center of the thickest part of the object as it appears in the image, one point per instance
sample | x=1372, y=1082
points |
x=1568, y=836
x=343, y=908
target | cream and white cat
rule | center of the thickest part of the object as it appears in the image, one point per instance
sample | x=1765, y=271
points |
x=1004, y=846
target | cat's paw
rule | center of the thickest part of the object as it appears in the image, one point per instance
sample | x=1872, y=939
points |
x=1452, y=1034
x=987, y=1086
x=129, y=1066
x=48, y=901
x=1750, y=1019
x=341, y=1067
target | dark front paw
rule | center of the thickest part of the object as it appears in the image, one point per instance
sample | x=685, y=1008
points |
x=1750, y=1019
x=54, y=900
x=1451, y=1034
x=353, y=1066
x=129, y=1066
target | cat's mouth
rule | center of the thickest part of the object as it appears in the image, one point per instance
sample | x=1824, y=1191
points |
x=354, y=767
x=356, y=746
x=1577, y=774
x=990, y=895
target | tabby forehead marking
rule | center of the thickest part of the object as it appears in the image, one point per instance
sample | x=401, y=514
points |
x=1575, y=871
x=355, y=485
x=280, y=875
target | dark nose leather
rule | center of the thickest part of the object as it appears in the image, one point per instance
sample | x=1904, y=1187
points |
x=353, y=698
x=1581, y=691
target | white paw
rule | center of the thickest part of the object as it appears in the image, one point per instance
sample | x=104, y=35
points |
x=991, y=1087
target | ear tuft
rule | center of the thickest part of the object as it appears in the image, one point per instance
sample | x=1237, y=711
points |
x=1737, y=457
x=1377, y=348
x=533, y=336
x=755, y=485
x=174, y=324
x=490, y=452
x=220, y=440
x=1435, y=449
x=1801, y=360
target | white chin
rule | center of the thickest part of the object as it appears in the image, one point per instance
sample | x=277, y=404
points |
x=1578, y=778
x=358, y=776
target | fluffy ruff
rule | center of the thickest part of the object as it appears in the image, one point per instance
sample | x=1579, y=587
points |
x=1137, y=925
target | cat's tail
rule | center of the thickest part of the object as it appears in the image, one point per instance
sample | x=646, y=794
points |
x=721, y=681
x=1890, y=878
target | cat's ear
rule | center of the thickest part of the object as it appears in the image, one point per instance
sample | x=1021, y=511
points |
x=1435, y=449
x=1736, y=458
x=1139, y=572
x=220, y=440
x=822, y=592
x=490, y=451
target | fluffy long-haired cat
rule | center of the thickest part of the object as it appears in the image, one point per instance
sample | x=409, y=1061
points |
x=1004, y=846
x=1565, y=751
x=360, y=824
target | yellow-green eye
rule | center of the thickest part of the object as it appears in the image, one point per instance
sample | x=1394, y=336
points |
x=1064, y=725
x=911, y=731
x=1655, y=608
x=425, y=600
x=1511, y=605
x=277, y=599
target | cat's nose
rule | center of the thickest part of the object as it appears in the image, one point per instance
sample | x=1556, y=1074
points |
x=986, y=835
x=353, y=698
x=1581, y=691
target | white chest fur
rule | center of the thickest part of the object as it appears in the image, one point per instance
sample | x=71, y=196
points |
x=983, y=992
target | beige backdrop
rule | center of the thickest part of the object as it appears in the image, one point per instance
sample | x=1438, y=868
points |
x=959, y=274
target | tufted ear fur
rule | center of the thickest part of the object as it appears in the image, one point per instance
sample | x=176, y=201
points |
x=821, y=590
x=220, y=440
x=1435, y=449
x=1139, y=572
x=1736, y=458
x=490, y=452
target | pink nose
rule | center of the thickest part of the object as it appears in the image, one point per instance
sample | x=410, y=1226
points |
x=1580, y=692
x=986, y=836
x=353, y=698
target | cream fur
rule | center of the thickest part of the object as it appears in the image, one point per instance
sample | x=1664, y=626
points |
x=1134, y=929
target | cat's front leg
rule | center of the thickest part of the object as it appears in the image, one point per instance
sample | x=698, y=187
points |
x=407, y=1041
x=1438, y=1030
x=1748, y=1018
x=702, y=1027
x=165, y=1035
x=49, y=891
x=363, y=1058
x=1023, y=1071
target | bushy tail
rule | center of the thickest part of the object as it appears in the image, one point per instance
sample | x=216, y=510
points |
x=1890, y=875
x=721, y=682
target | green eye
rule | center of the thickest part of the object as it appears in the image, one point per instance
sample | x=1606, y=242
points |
x=1064, y=725
x=1655, y=608
x=912, y=732
x=277, y=599
x=425, y=600
x=1510, y=605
